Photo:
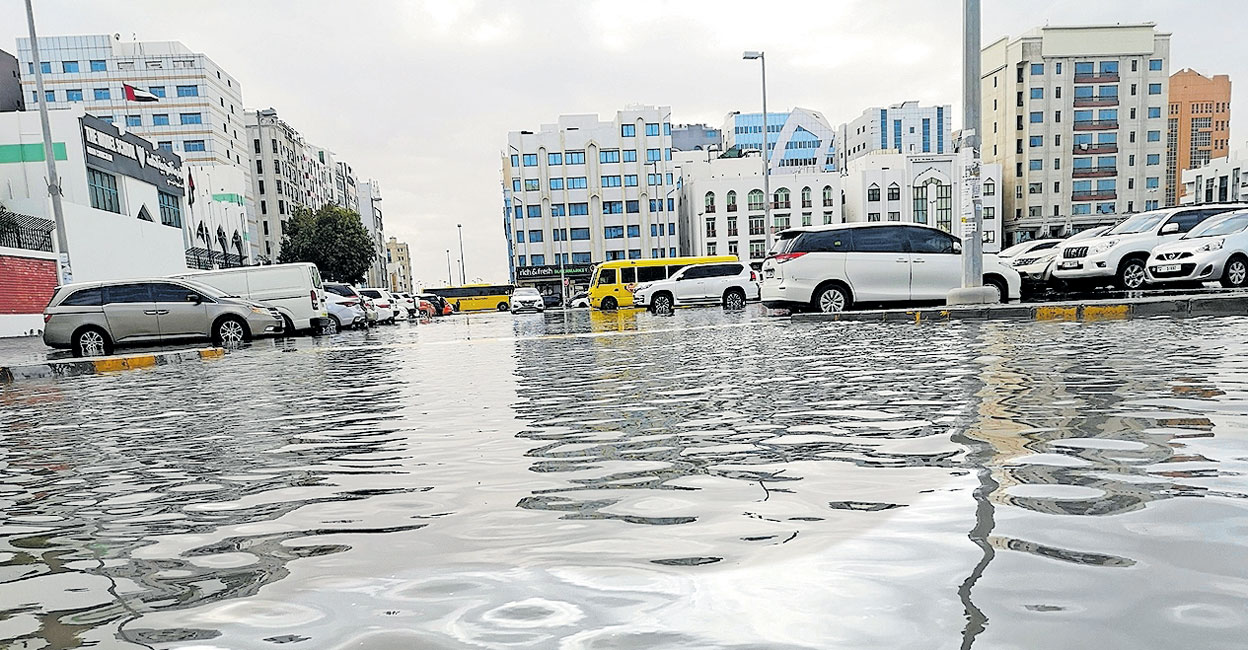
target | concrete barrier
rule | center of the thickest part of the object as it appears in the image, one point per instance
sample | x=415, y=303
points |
x=1225, y=304
x=98, y=365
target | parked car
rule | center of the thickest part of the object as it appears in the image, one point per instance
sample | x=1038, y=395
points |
x=425, y=308
x=295, y=290
x=1119, y=256
x=91, y=318
x=406, y=302
x=1035, y=266
x=349, y=291
x=440, y=306
x=1215, y=250
x=387, y=310
x=1027, y=247
x=580, y=300
x=345, y=313
x=526, y=299
x=552, y=300
x=830, y=268
x=729, y=284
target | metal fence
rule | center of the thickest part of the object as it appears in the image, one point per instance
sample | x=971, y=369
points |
x=204, y=260
x=26, y=232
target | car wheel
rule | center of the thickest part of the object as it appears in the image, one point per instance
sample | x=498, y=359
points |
x=92, y=342
x=661, y=304
x=998, y=284
x=1131, y=274
x=1236, y=273
x=229, y=333
x=734, y=300
x=609, y=303
x=334, y=326
x=502, y=306
x=832, y=299
x=288, y=326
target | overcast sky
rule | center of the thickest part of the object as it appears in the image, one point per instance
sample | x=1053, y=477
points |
x=421, y=95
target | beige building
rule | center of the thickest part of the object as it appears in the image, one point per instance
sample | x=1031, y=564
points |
x=398, y=265
x=1198, y=126
x=1075, y=116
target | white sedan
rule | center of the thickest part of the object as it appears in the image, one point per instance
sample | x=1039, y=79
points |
x=527, y=299
x=1215, y=250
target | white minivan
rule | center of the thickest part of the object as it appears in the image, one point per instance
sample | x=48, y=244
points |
x=830, y=268
x=293, y=289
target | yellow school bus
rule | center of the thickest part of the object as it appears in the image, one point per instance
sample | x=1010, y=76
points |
x=477, y=297
x=611, y=286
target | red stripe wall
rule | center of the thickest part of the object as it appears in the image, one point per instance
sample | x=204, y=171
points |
x=26, y=284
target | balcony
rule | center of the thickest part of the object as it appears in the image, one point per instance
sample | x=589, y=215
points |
x=1094, y=78
x=732, y=207
x=827, y=203
x=1093, y=149
x=1094, y=195
x=1109, y=100
x=805, y=204
x=781, y=205
x=710, y=209
x=1096, y=125
x=1094, y=172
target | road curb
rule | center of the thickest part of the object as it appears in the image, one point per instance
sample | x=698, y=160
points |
x=77, y=367
x=1226, y=304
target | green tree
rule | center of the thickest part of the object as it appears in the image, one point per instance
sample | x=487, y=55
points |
x=332, y=238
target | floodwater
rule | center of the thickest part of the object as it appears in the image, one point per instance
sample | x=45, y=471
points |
x=620, y=481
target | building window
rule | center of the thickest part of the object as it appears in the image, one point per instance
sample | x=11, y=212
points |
x=1154, y=64
x=103, y=190
x=1154, y=111
x=654, y=155
x=1154, y=159
x=167, y=145
x=613, y=232
x=69, y=66
x=44, y=67
x=989, y=212
x=634, y=231
x=894, y=192
x=873, y=216
x=537, y=260
x=1035, y=164
x=1037, y=68
x=1036, y=141
x=530, y=160
x=532, y=184
x=609, y=156
x=522, y=260
x=873, y=192
x=188, y=91
x=632, y=207
x=1152, y=182
x=1154, y=136
x=98, y=66
x=611, y=181
x=515, y=160
x=552, y=159
x=1037, y=93
x=990, y=188
x=557, y=209
x=556, y=183
x=1037, y=117
x=193, y=145
x=630, y=180
x=191, y=118
x=159, y=91
x=576, y=183
x=755, y=199
x=575, y=157
x=170, y=209
x=1154, y=89
x=630, y=155
x=74, y=95
x=535, y=236
x=757, y=226
x=534, y=211
x=652, y=129
x=944, y=207
x=134, y=120
x=578, y=209
x=102, y=94
x=613, y=207
x=628, y=130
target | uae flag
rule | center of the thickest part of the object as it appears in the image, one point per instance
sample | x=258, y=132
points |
x=135, y=95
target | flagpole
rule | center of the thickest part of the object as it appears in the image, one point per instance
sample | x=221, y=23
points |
x=64, y=273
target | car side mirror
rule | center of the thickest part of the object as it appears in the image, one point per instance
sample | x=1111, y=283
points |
x=1170, y=229
x=194, y=298
x=957, y=247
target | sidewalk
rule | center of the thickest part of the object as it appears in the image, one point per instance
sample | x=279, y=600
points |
x=28, y=358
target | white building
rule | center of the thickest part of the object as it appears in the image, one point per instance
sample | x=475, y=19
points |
x=369, y=199
x=1220, y=180
x=199, y=109
x=901, y=128
x=586, y=191
x=123, y=205
x=722, y=205
x=398, y=266
x=1076, y=117
x=920, y=188
x=804, y=139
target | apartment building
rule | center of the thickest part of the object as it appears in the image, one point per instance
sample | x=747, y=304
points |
x=920, y=188
x=584, y=190
x=1218, y=181
x=1198, y=126
x=722, y=204
x=197, y=110
x=908, y=127
x=11, y=96
x=398, y=266
x=369, y=199
x=696, y=137
x=1075, y=116
x=799, y=140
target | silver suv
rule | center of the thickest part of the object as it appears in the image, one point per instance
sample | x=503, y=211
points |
x=90, y=318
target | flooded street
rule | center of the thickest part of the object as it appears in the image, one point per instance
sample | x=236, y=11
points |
x=595, y=481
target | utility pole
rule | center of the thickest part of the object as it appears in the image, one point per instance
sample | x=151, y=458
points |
x=450, y=280
x=762, y=59
x=463, y=277
x=972, y=290
x=64, y=274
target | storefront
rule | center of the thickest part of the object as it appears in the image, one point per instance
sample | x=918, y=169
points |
x=546, y=278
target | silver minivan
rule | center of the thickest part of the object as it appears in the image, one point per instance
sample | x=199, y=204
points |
x=91, y=318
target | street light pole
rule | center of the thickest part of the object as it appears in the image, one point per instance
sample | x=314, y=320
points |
x=450, y=279
x=973, y=290
x=64, y=275
x=762, y=59
x=463, y=275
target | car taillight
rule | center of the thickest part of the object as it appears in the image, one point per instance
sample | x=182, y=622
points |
x=312, y=294
x=47, y=317
x=784, y=257
x=348, y=303
x=753, y=276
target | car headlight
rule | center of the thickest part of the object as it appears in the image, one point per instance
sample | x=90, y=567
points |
x=1211, y=245
x=1101, y=247
x=259, y=310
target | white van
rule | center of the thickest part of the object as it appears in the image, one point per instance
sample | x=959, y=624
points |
x=293, y=289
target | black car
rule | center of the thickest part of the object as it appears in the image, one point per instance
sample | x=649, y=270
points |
x=552, y=300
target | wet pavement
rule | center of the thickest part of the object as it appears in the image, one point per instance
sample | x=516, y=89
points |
x=588, y=480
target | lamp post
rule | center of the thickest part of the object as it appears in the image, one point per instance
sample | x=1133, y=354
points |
x=462, y=273
x=450, y=279
x=762, y=60
x=64, y=275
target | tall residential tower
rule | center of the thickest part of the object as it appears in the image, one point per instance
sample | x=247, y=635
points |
x=1198, y=126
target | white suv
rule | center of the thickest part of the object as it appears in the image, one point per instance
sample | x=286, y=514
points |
x=727, y=283
x=829, y=268
x=1119, y=255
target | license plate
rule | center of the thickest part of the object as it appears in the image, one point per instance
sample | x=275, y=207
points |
x=1167, y=268
x=1070, y=264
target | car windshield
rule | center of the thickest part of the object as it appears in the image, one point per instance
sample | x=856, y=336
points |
x=1227, y=226
x=1088, y=234
x=526, y=291
x=1142, y=222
